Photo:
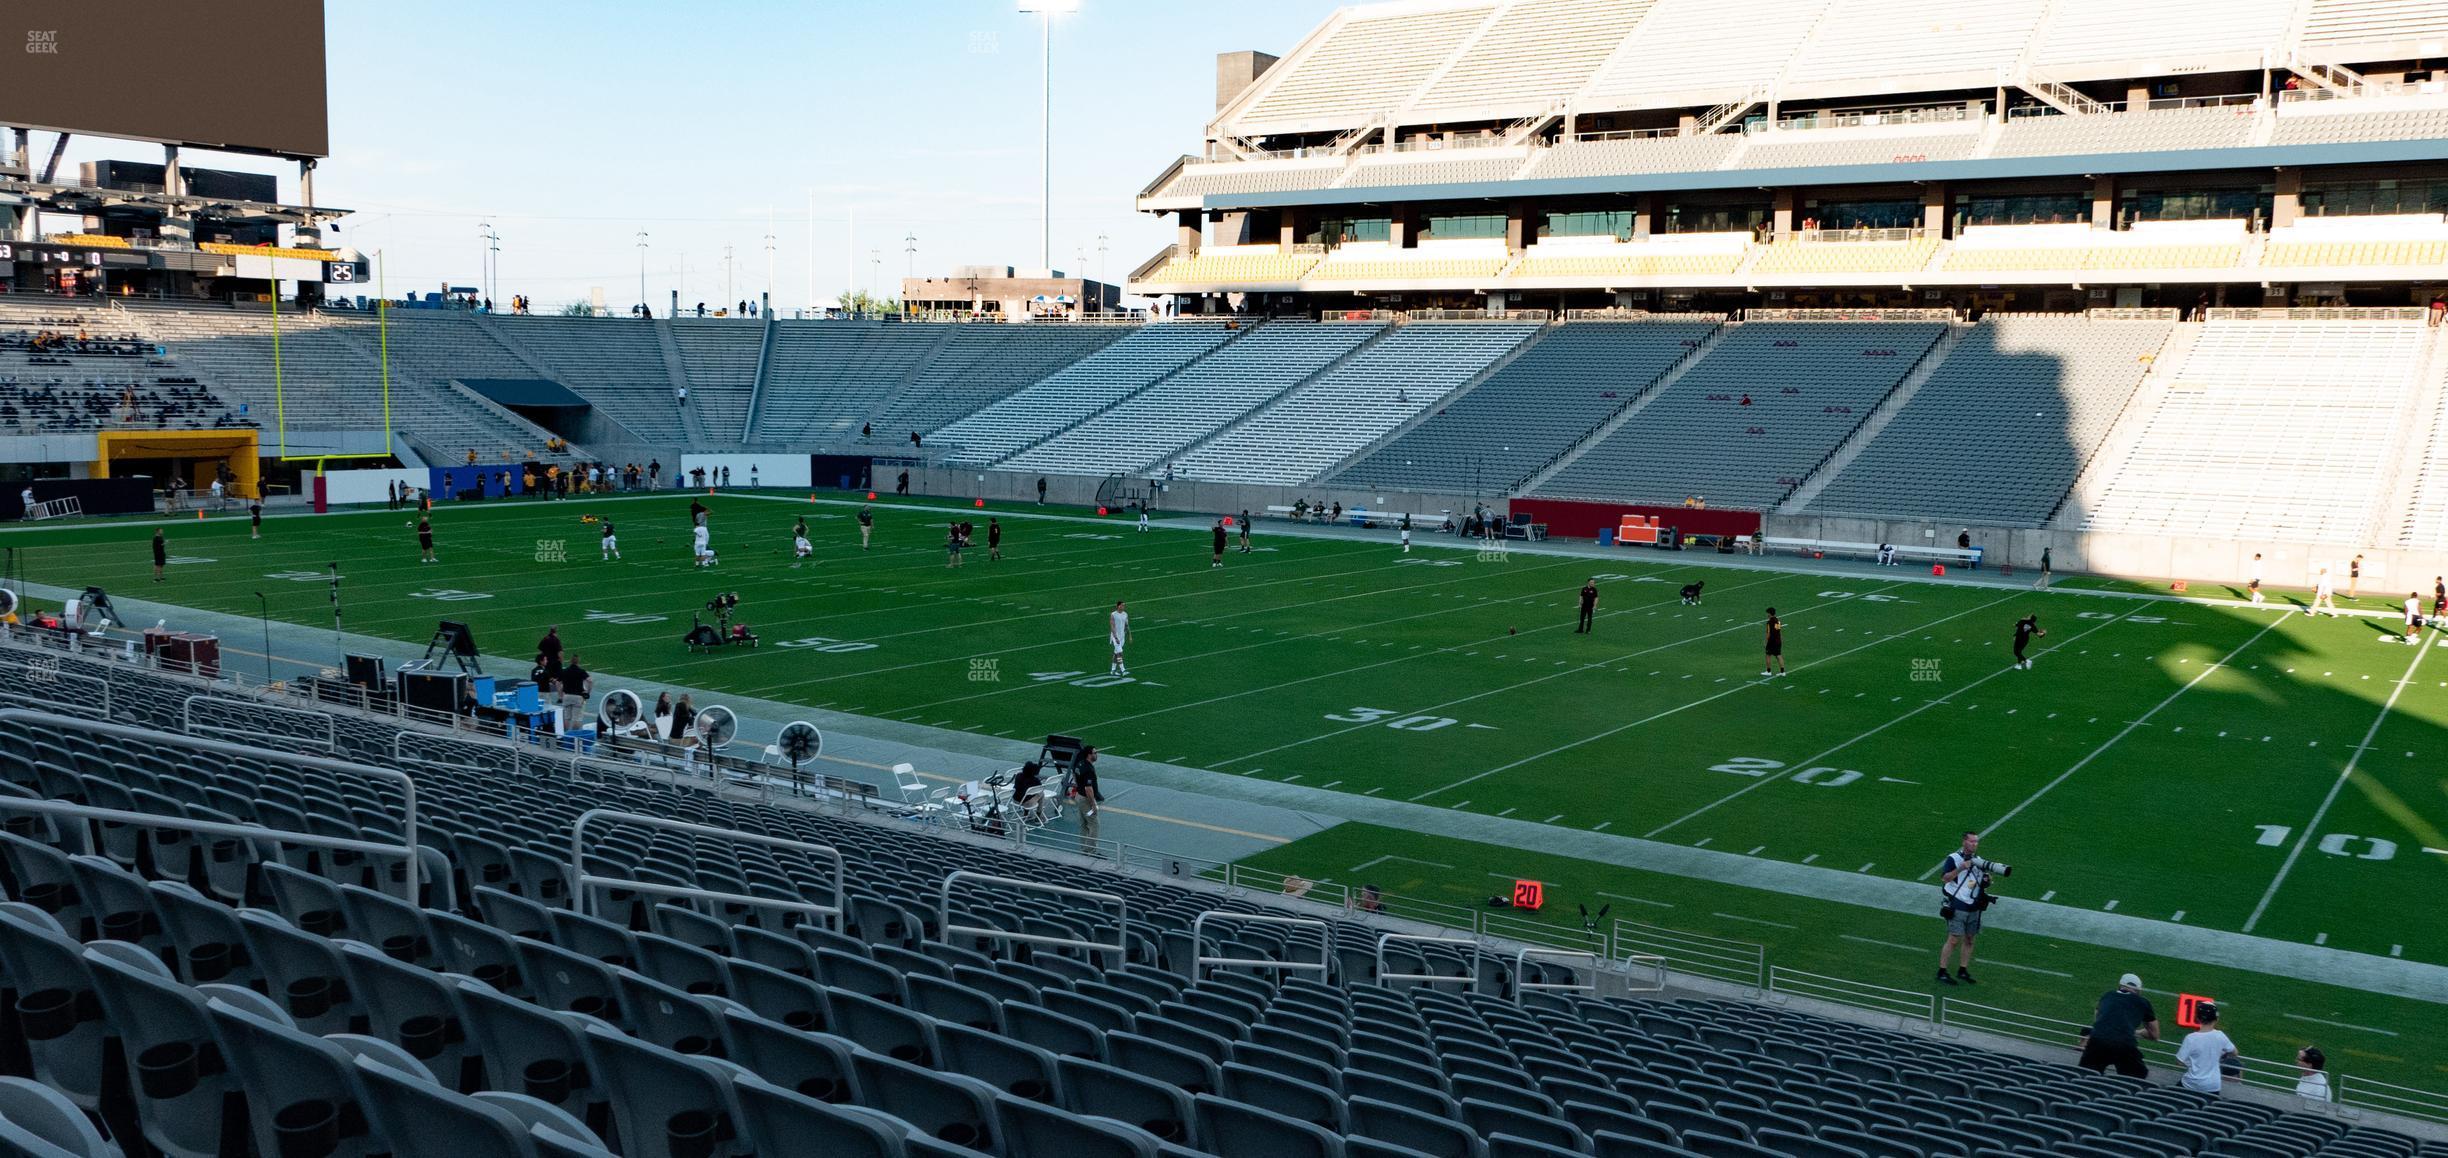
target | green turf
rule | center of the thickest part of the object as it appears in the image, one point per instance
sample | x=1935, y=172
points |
x=2024, y=973
x=2117, y=772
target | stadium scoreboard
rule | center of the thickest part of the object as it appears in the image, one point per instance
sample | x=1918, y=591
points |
x=241, y=75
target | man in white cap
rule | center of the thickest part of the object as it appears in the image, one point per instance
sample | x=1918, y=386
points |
x=2122, y=1021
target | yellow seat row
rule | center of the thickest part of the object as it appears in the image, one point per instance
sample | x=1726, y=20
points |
x=1627, y=265
x=1847, y=256
x=92, y=240
x=224, y=247
x=2356, y=253
x=1381, y=269
x=2100, y=257
x=1246, y=268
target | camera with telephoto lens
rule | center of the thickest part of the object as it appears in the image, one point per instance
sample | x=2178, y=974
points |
x=1989, y=868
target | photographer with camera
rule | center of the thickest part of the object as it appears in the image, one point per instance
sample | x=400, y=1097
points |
x=1963, y=895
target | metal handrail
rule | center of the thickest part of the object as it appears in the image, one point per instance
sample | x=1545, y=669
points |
x=1470, y=983
x=40, y=676
x=584, y=880
x=1201, y=961
x=408, y=792
x=2390, y=1098
x=1906, y=1003
x=407, y=852
x=1577, y=958
x=187, y=721
x=1716, y=958
x=945, y=928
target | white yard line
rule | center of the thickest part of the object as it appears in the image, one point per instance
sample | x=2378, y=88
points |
x=1814, y=760
x=2345, y=774
x=1743, y=686
x=1593, y=664
x=2127, y=730
x=2340, y=1024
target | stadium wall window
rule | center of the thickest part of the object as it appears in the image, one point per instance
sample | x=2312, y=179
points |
x=2195, y=204
x=2375, y=198
x=2022, y=209
x=1616, y=223
x=1864, y=214
x=1473, y=225
x=1339, y=230
x=1716, y=218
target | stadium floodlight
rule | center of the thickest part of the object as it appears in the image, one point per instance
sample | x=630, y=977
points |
x=1046, y=11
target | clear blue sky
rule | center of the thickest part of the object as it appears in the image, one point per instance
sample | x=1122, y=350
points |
x=572, y=126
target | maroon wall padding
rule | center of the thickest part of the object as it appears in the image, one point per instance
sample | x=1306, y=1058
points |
x=1567, y=519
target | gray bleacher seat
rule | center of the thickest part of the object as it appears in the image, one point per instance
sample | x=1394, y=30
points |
x=1996, y=436
x=1538, y=404
x=979, y=364
x=616, y=364
x=1142, y=431
x=1736, y=1078
x=1140, y=359
x=38, y=1122
x=1810, y=384
x=1312, y=428
x=826, y=378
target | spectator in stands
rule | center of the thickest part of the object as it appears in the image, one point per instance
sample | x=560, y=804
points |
x=577, y=685
x=1090, y=797
x=2311, y=1074
x=683, y=714
x=2439, y=309
x=2206, y=1054
x=680, y=395
x=866, y=431
x=1372, y=899
x=914, y=442
x=701, y=309
x=1028, y=792
x=2123, y=1019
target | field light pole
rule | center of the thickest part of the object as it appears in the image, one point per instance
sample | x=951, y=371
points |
x=1046, y=10
x=641, y=248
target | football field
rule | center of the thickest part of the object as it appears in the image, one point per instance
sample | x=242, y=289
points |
x=2248, y=770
